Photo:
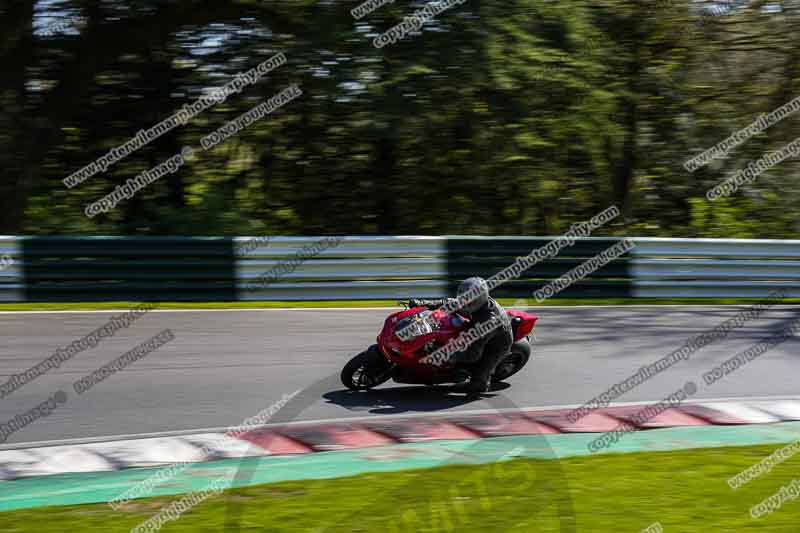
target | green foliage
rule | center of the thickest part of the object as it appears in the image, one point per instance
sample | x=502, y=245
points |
x=518, y=117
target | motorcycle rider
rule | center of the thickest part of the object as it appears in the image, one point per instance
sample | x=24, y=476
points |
x=482, y=356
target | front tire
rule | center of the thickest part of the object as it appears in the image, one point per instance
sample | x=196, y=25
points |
x=366, y=370
x=513, y=362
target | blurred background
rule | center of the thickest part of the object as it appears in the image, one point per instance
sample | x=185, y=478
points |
x=513, y=117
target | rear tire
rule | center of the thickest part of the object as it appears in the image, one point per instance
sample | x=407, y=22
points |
x=366, y=370
x=513, y=362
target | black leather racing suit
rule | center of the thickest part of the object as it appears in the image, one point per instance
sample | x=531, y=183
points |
x=483, y=355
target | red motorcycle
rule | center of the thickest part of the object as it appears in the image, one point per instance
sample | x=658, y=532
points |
x=426, y=331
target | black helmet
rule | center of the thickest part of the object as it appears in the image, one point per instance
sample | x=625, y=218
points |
x=473, y=294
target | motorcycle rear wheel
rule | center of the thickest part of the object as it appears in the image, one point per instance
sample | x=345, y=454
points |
x=513, y=362
x=366, y=370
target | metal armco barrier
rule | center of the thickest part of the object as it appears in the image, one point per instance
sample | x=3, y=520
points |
x=57, y=269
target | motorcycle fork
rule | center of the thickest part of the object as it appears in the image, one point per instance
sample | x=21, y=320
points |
x=387, y=373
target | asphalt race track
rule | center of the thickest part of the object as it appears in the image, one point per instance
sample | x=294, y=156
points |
x=225, y=366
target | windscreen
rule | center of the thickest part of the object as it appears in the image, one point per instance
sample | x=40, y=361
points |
x=416, y=325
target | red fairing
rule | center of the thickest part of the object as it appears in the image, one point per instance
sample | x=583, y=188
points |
x=397, y=350
x=526, y=326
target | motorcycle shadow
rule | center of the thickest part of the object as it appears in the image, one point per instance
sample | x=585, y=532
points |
x=405, y=399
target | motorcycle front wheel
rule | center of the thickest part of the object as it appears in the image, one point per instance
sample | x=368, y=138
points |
x=366, y=370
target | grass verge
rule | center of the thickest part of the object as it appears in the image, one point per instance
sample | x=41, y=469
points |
x=355, y=304
x=684, y=491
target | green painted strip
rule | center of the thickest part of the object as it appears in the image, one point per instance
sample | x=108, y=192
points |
x=71, y=489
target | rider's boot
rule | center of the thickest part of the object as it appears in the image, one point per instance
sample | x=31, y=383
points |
x=462, y=376
x=482, y=371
